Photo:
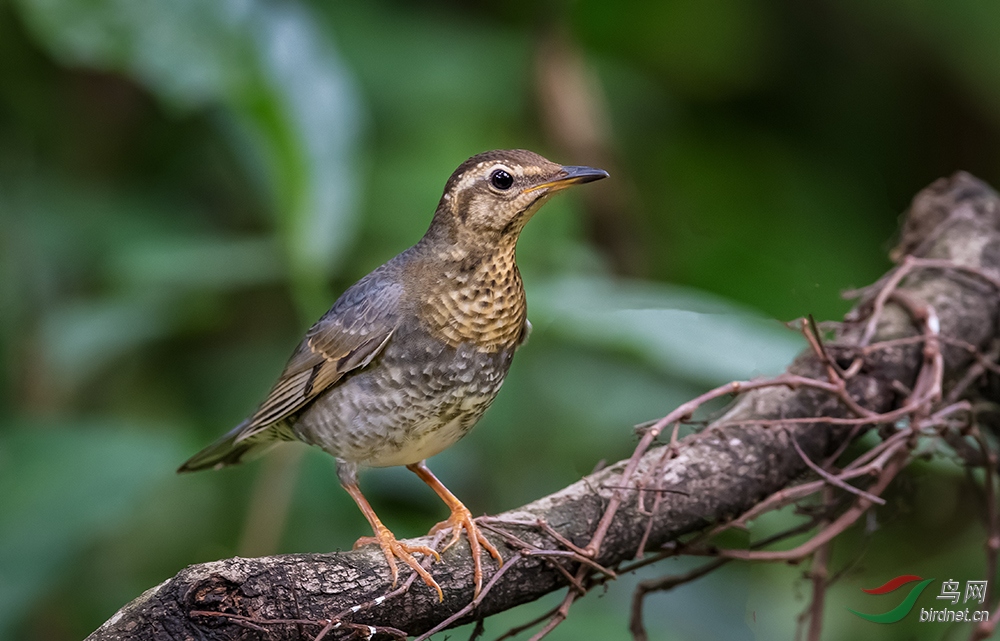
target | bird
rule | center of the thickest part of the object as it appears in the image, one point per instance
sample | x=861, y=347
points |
x=409, y=358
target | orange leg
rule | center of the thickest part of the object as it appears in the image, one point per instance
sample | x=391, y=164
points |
x=391, y=548
x=460, y=519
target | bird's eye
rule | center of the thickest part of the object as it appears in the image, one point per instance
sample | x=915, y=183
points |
x=501, y=179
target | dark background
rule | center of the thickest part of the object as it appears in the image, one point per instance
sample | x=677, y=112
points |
x=186, y=186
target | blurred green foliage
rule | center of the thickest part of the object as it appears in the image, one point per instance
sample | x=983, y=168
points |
x=185, y=186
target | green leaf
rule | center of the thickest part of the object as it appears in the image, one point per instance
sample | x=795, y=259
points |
x=81, y=338
x=61, y=487
x=281, y=91
x=196, y=262
x=685, y=332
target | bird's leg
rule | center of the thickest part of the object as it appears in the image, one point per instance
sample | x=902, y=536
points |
x=391, y=548
x=460, y=519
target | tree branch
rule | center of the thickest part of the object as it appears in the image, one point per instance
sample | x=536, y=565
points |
x=713, y=476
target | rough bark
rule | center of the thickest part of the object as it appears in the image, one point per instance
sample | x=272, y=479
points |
x=723, y=471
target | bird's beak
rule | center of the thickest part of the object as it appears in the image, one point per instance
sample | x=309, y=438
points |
x=571, y=175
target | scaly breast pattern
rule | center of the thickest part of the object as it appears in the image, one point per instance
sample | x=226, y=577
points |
x=484, y=306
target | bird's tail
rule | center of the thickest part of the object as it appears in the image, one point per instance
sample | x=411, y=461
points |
x=229, y=450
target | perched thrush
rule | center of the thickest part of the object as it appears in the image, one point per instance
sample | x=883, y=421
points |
x=409, y=357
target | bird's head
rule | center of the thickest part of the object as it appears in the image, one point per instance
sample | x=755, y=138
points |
x=492, y=195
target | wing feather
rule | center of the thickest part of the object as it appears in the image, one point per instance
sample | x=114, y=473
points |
x=348, y=337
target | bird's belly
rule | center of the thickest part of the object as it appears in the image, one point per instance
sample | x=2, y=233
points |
x=432, y=435
x=404, y=409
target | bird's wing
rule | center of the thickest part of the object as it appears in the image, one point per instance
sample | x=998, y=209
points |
x=348, y=337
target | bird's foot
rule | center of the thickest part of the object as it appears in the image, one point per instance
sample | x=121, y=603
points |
x=394, y=549
x=461, y=519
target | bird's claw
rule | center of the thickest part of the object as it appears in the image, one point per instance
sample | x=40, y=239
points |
x=394, y=549
x=461, y=519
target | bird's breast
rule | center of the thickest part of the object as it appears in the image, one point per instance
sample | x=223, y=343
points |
x=484, y=307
